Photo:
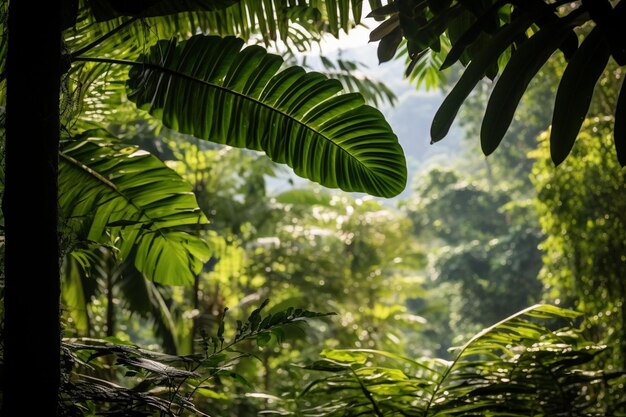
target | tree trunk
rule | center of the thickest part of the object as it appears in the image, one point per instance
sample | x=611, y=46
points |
x=32, y=284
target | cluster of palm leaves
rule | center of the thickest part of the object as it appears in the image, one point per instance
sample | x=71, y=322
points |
x=521, y=366
x=524, y=365
x=166, y=384
x=511, y=40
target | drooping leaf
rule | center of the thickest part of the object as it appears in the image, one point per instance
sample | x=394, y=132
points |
x=382, y=11
x=385, y=28
x=155, y=367
x=103, y=183
x=610, y=20
x=472, y=75
x=521, y=69
x=210, y=88
x=389, y=45
x=575, y=91
x=547, y=14
x=468, y=37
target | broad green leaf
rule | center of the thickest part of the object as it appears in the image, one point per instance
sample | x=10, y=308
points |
x=575, y=92
x=104, y=183
x=143, y=297
x=208, y=87
x=344, y=356
x=392, y=355
x=74, y=295
x=521, y=69
x=325, y=366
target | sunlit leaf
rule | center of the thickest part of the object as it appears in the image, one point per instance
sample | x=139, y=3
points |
x=207, y=87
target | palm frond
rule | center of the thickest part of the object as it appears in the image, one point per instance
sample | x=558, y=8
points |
x=518, y=367
x=133, y=197
x=110, y=9
x=295, y=24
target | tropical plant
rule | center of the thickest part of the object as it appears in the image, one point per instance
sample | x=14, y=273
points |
x=581, y=215
x=511, y=40
x=121, y=379
x=194, y=83
x=520, y=366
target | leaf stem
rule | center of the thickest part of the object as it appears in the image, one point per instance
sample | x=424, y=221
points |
x=367, y=394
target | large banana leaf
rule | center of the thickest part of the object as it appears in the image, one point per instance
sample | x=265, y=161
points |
x=133, y=197
x=208, y=87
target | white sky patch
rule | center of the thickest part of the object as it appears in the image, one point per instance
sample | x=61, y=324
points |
x=356, y=39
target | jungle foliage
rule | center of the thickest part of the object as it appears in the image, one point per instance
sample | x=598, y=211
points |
x=171, y=239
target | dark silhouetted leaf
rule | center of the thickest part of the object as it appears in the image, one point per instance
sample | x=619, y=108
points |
x=520, y=70
x=388, y=45
x=472, y=75
x=575, y=92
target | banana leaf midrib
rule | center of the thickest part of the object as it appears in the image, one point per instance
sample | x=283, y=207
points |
x=174, y=72
x=99, y=177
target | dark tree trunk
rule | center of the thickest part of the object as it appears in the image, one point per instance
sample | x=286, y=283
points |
x=32, y=285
